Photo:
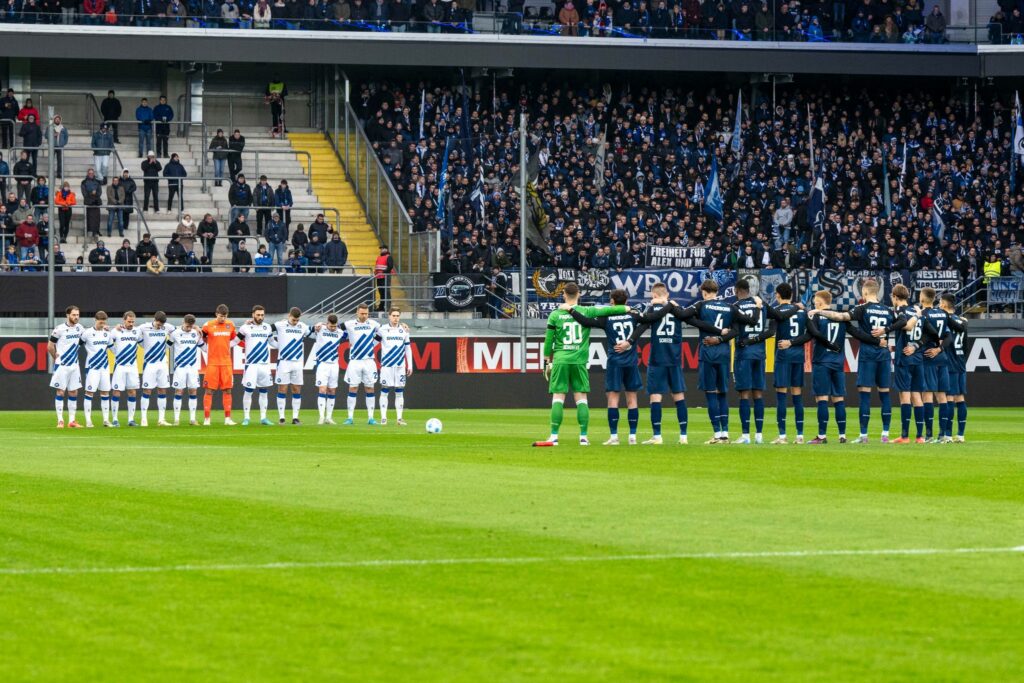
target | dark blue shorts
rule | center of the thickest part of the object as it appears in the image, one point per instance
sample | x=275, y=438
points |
x=827, y=381
x=874, y=373
x=622, y=378
x=665, y=380
x=936, y=377
x=749, y=375
x=957, y=382
x=909, y=378
x=789, y=375
x=714, y=376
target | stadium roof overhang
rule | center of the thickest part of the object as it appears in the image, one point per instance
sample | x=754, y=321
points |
x=483, y=50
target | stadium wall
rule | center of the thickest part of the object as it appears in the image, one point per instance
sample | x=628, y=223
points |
x=483, y=372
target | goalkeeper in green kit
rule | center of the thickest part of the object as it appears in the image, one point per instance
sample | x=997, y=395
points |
x=566, y=353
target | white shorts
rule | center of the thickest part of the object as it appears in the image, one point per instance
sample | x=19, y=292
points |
x=393, y=376
x=156, y=375
x=67, y=378
x=361, y=372
x=97, y=380
x=327, y=375
x=186, y=378
x=289, y=372
x=125, y=377
x=256, y=375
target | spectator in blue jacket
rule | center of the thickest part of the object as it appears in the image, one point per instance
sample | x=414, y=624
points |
x=173, y=171
x=163, y=115
x=263, y=260
x=315, y=252
x=276, y=234
x=240, y=198
x=263, y=199
x=144, y=115
x=335, y=253
x=284, y=202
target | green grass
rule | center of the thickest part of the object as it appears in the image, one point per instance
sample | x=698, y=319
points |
x=166, y=498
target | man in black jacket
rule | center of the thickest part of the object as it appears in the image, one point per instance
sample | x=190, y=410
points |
x=174, y=171
x=110, y=109
x=126, y=260
x=151, y=182
x=8, y=114
x=236, y=143
x=130, y=188
x=241, y=260
x=145, y=249
x=175, y=253
x=207, y=232
x=99, y=258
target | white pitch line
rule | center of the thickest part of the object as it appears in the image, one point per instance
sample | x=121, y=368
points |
x=354, y=564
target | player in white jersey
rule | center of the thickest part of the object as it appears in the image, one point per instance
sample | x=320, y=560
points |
x=362, y=368
x=97, y=342
x=155, y=371
x=186, y=341
x=67, y=374
x=395, y=364
x=325, y=353
x=126, y=369
x=258, y=337
x=290, y=333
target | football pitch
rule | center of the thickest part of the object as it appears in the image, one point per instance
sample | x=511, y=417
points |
x=388, y=554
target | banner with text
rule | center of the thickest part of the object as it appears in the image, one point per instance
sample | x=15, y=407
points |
x=686, y=258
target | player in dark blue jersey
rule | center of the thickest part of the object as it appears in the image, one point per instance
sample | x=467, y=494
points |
x=790, y=337
x=957, y=394
x=664, y=365
x=748, y=366
x=935, y=332
x=725, y=319
x=828, y=380
x=622, y=372
x=908, y=377
x=874, y=362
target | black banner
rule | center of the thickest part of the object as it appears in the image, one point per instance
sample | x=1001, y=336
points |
x=457, y=291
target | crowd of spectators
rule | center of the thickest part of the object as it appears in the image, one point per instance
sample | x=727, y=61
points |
x=867, y=21
x=951, y=199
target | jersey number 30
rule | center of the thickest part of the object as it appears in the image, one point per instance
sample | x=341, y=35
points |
x=572, y=333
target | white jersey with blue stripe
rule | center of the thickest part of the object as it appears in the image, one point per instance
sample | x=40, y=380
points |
x=186, y=346
x=97, y=343
x=257, y=340
x=154, y=343
x=362, y=338
x=325, y=348
x=67, y=338
x=126, y=345
x=394, y=346
x=289, y=340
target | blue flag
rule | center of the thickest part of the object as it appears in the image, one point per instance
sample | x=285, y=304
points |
x=737, y=141
x=442, y=189
x=816, y=209
x=713, y=194
x=886, y=193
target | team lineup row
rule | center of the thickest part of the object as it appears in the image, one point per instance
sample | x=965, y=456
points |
x=927, y=366
x=171, y=360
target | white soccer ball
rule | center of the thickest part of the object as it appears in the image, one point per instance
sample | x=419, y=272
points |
x=433, y=426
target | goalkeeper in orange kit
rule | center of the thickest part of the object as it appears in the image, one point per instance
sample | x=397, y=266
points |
x=218, y=334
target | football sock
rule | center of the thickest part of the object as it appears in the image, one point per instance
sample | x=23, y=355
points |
x=351, y=404
x=613, y=421
x=683, y=415
x=745, y=415
x=712, y=400
x=399, y=403
x=246, y=402
x=961, y=417
x=264, y=402
x=72, y=406
x=330, y=406
x=177, y=407
x=906, y=411
x=371, y=403
x=296, y=405
x=633, y=417
x=87, y=407
x=886, y=398
x=840, y=408
x=207, y=404
x=282, y=404
x=723, y=412
x=798, y=413
x=556, y=416
x=758, y=415
x=193, y=404
x=656, y=417
x=225, y=398
x=161, y=406
x=131, y=408
x=321, y=405
x=59, y=405
x=780, y=412
x=385, y=394
x=822, y=418
x=919, y=420
x=865, y=411
x=929, y=416
x=115, y=406
x=105, y=408
x=583, y=416
x=144, y=405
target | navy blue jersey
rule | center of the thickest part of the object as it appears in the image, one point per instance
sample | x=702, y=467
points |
x=936, y=330
x=617, y=328
x=791, y=327
x=829, y=342
x=666, y=339
x=716, y=316
x=905, y=338
x=868, y=316
x=958, y=358
x=750, y=342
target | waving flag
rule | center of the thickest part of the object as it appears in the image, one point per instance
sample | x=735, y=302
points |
x=1018, y=138
x=816, y=208
x=423, y=107
x=713, y=205
x=737, y=140
x=442, y=189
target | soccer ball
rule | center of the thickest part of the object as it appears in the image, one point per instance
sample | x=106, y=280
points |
x=433, y=426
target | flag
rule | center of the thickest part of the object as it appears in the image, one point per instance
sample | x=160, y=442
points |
x=1018, y=138
x=810, y=137
x=535, y=223
x=816, y=210
x=737, y=141
x=477, y=195
x=599, y=163
x=467, y=142
x=903, y=169
x=886, y=194
x=442, y=189
x=423, y=108
x=938, y=225
x=713, y=194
